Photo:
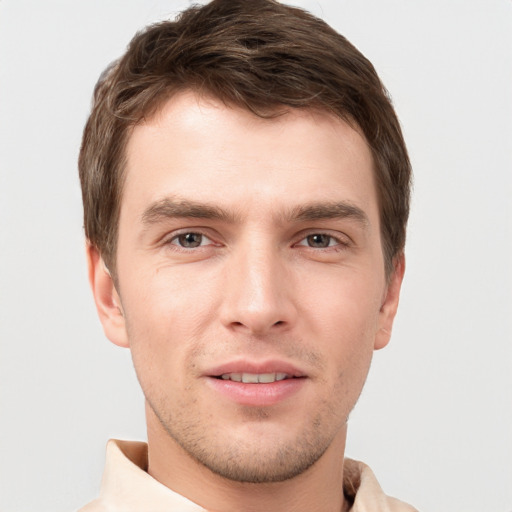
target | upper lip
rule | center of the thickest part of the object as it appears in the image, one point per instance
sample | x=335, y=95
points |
x=255, y=367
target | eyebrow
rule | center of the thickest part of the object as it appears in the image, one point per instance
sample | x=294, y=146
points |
x=171, y=207
x=181, y=208
x=330, y=210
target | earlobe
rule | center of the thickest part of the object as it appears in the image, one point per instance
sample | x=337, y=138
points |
x=390, y=304
x=107, y=300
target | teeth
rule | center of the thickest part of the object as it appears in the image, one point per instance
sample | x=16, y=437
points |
x=255, y=378
x=266, y=377
x=250, y=378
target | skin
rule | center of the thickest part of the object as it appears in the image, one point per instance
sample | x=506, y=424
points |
x=286, y=265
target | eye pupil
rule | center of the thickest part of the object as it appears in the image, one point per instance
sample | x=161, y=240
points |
x=318, y=240
x=190, y=240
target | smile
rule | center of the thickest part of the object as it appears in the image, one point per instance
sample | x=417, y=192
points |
x=255, y=378
x=260, y=385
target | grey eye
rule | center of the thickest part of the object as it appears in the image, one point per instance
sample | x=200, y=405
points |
x=319, y=240
x=189, y=240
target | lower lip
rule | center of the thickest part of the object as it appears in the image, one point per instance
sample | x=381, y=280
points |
x=257, y=395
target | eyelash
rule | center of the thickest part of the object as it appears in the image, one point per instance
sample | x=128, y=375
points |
x=176, y=237
x=339, y=245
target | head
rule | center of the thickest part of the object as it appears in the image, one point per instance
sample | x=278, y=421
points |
x=261, y=56
x=246, y=183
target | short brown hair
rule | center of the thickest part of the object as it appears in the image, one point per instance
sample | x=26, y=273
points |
x=259, y=55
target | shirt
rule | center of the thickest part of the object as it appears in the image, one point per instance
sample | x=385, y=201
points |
x=127, y=487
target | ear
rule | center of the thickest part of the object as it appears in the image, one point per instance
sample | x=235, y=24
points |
x=390, y=303
x=107, y=300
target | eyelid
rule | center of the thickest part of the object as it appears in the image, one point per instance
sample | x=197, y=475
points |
x=177, y=236
x=343, y=239
x=169, y=238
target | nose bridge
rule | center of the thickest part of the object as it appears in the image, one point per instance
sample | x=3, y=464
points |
x=256, y=297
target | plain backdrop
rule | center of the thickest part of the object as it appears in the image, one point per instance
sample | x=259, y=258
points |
x=435, y=419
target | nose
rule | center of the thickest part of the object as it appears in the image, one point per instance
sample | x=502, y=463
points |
x=258, y=298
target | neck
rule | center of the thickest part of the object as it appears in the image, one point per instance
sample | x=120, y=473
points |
x=318, y=488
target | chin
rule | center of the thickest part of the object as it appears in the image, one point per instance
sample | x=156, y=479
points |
x=261, y=451
x=257, y=466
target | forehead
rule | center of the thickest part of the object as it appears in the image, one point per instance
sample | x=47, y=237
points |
x=200, y=149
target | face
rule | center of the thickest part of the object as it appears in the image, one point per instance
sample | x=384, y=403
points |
x=251, y=286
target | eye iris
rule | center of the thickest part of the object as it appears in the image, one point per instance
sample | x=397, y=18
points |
x=190, y=240
x=318, y=240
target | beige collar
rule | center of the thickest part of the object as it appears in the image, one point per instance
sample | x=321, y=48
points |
x=127, y=487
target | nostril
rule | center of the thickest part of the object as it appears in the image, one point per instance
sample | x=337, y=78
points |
x=257, y=328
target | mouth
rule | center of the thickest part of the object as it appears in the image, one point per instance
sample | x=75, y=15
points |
x=255, y=378
x=253, y=384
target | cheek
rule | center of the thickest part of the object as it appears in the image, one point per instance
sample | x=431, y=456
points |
x=165, y=313
x=344, y=316
x=168, y=299
x=345, y=306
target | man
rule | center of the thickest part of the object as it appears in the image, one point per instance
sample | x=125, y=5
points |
x=246, y=192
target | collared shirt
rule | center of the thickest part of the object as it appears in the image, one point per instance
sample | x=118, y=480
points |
x=127, y=487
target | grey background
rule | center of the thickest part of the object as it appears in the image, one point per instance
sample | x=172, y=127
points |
x=435, y=419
